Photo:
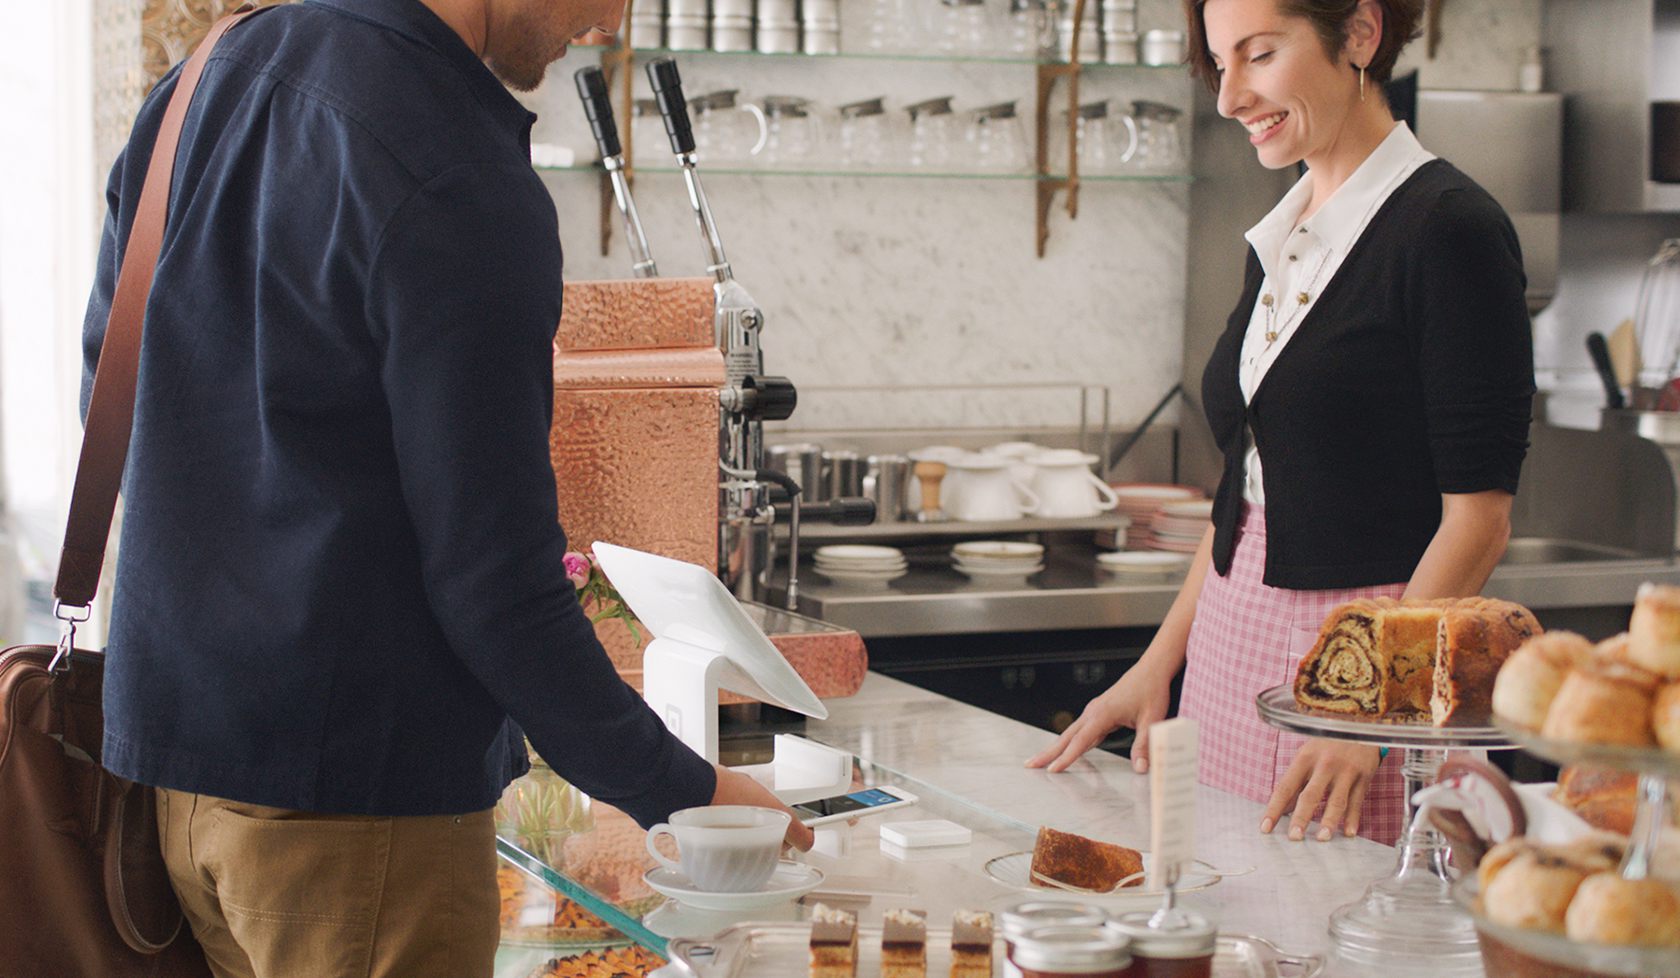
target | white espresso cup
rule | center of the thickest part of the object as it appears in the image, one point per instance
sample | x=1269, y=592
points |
x=723, y=848
x=1066, y=486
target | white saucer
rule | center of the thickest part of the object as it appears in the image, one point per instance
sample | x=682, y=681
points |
x=790, y=881
x=861, y=577
x=1015, y=870
x=1143, y=559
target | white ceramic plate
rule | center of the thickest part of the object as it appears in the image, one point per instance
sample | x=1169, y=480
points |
x=1153, y=492
x=1143, y=559
x=861, y=564
x=998, y=572
x=1015, y=870
x=861, y=576
x=997, y=550
x=790, y=881
x=858, y=551
x=1199, y=509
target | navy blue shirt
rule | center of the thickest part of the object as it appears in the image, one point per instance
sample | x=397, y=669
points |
x=340, y=571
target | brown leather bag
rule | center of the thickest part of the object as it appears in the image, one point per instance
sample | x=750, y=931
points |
x=82, y=880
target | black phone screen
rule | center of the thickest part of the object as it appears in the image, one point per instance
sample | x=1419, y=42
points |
x=841, y=804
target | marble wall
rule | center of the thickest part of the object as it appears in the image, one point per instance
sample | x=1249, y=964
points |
x=914, y=284
x=917, y=283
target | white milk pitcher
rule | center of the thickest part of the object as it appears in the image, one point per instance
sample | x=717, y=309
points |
x=989, y=490
x=1066, y=486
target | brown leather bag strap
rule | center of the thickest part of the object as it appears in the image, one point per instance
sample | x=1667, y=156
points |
x=110, y=417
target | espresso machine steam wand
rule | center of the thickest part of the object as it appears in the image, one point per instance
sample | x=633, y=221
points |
x=746, y=512
x=597, y=106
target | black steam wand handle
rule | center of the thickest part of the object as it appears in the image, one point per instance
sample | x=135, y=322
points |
x=673, y=107
x=597, y=106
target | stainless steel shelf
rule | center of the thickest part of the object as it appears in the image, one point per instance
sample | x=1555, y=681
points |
x=906, y=530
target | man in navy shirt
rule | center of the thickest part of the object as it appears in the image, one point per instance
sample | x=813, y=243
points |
x=341, y=578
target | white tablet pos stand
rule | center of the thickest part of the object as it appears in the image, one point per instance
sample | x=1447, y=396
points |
x=703, y=642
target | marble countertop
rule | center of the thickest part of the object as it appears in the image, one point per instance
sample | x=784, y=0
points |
x=969, y=752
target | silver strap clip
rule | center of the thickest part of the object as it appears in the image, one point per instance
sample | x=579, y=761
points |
x=70, y=615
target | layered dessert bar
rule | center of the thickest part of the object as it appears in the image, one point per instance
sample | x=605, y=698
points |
x=971, y=944
x=904, y=944
x=834, y=943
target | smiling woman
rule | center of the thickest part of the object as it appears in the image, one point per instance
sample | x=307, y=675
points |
x=1379, y=363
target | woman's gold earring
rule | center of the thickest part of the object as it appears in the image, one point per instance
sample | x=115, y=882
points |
x=1362, y=83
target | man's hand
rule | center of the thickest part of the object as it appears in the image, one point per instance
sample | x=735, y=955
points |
x=735, y=788
x=1332, y=772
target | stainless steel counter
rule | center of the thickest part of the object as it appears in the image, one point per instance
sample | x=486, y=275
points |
x=1073, y=593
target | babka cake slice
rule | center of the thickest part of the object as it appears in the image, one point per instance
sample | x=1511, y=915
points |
x=1474, y=640
x=1373, y=658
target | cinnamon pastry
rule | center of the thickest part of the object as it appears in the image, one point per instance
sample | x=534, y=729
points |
x=1387, y=659
x=1603, y=703
x=1529, y=680
x=1610, y=910
x=1665, y=717
x=1654, y=631
x=1373, y=658
x=1473, y=641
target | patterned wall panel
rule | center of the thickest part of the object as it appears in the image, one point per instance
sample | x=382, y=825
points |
x=171, y=28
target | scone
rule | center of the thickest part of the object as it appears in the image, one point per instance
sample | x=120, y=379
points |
x=1533, y=891
x=1665, y=717
x=1603, y=703
x=1081, y=862
x=1654, y=631
x=1529, y=680
x=1610, y=910
x=1604, y=798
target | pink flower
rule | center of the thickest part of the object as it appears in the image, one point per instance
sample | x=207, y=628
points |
x=577, y=569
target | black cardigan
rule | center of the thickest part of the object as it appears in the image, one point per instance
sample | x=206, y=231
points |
x=1411, y=376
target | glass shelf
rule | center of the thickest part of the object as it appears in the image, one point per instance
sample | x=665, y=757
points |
x=922, y=56
x=743, y=171
x=601, y=867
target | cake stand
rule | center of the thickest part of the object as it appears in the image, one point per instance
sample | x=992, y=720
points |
x=1409, y=921
x=1653, y=765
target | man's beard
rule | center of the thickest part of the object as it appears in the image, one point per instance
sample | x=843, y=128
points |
x=530, y=50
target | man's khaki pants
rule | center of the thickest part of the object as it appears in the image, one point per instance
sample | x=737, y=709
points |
x=272, y=893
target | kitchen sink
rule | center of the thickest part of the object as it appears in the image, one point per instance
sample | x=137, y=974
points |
x=1546, y=550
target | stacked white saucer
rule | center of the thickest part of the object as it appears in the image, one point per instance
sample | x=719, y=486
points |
x=997, y=559
x=861, y=565
x=1143, y=565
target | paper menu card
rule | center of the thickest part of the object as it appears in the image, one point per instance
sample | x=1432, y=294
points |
x=1172, y=798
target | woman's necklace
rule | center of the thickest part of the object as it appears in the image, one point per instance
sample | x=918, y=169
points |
x=1270, y=303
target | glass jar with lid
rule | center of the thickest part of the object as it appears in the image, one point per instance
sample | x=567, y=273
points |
x=1168, y=943
x=1034, y=914
x=1066, y=951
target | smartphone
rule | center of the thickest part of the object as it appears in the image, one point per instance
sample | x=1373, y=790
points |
x=864, y=802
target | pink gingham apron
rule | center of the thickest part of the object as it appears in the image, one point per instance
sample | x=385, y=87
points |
x=1248, y=637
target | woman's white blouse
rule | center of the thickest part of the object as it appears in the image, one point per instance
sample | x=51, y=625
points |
x=1301, y=257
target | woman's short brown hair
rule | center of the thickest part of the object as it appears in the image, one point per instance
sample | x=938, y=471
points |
x=1329, y=18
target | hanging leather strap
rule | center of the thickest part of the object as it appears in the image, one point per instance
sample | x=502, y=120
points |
x=110, y=417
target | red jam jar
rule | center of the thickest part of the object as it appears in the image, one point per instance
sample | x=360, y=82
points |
x=1033, y=914
x=1181, y=945
x=1070, y=952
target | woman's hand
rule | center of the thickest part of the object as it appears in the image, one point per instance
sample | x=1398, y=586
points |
x=1136, y=700
x=1336, y=773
